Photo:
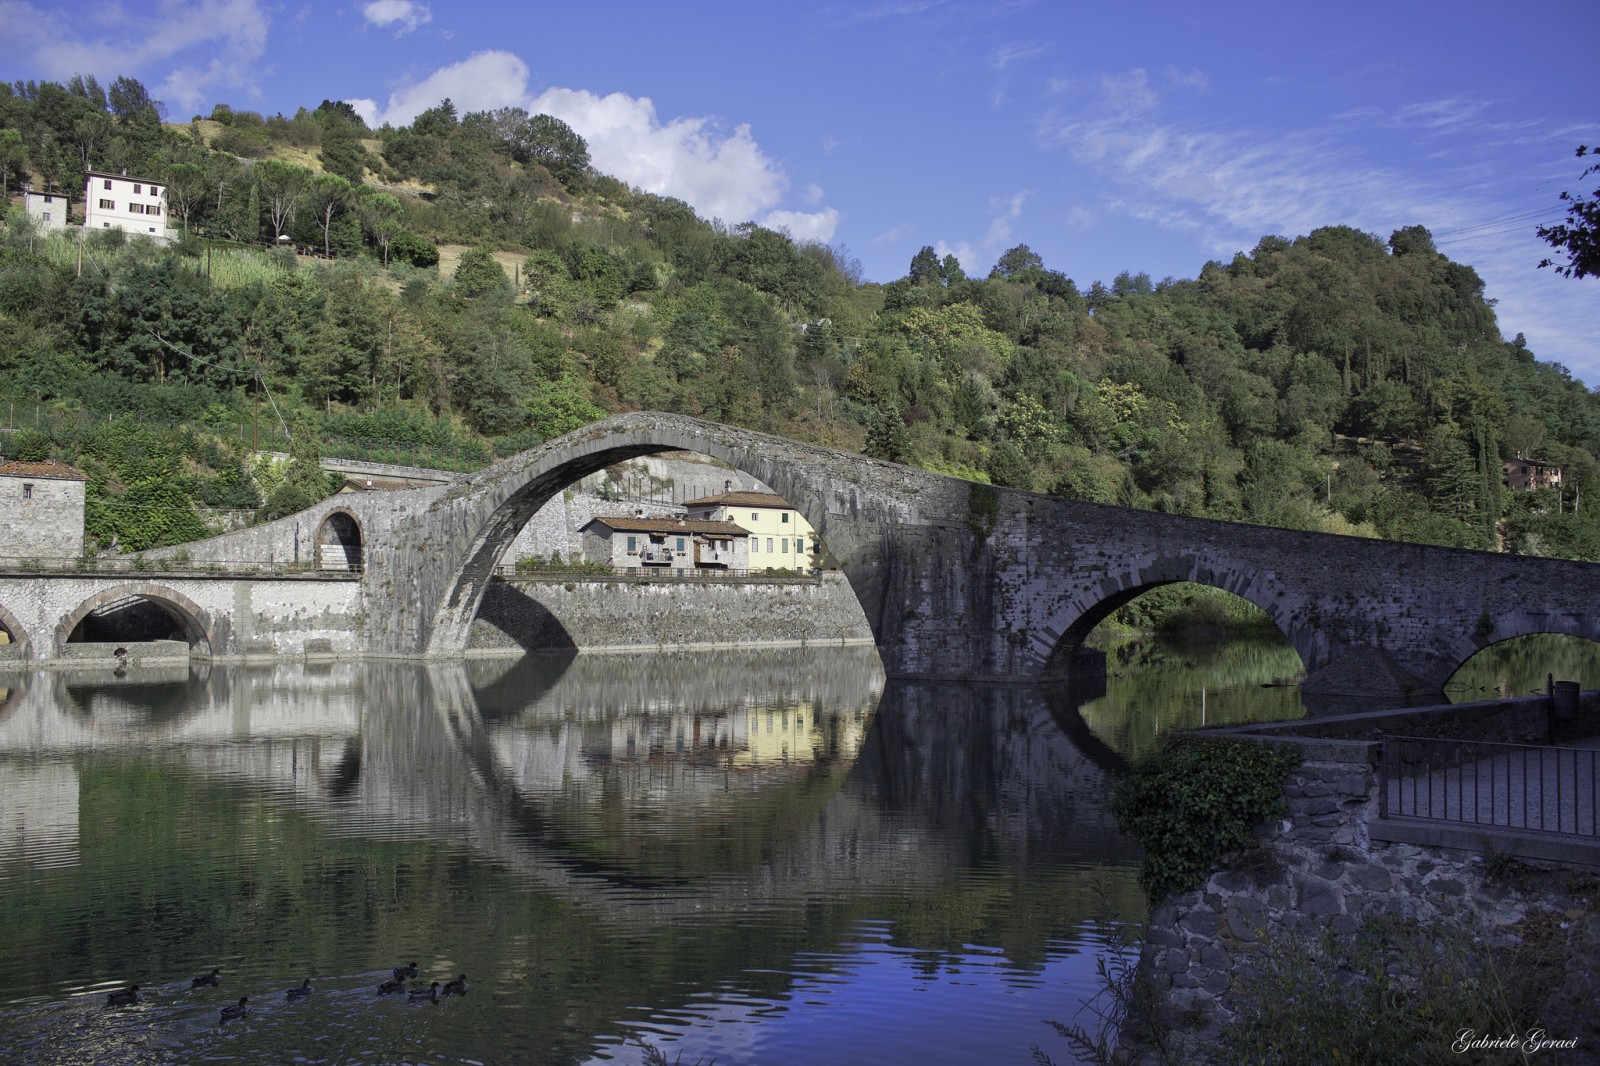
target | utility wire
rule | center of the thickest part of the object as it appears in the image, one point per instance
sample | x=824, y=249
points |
x=256, y=373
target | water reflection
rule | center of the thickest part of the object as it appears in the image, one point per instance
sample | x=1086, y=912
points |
x=722, y=851
x=1157, y=687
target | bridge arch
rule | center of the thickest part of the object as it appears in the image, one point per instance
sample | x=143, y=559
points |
x=339, y=541
x=1093, y=605
x=189, y=618
x=14, y=629
x=1509, y=626
x=501, y=500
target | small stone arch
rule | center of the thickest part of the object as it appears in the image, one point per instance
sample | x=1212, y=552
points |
x=1509, y=626
x=192, y=620
x=340, y=544
x=19, y=636
x=1094, y=605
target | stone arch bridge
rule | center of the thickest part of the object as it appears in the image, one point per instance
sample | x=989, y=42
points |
x=957, y=580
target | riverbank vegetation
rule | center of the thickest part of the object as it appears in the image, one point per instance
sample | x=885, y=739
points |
x=469, y=285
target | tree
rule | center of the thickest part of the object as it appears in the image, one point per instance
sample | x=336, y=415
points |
x=555, y=145
x=325, y=194
x=281, y=185
x=887, y=437
x=479, y=274
x=380, y=214
x=1579, y=236
x=13, y=154
x=188, y=186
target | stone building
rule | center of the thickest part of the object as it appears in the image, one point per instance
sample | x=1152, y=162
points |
x=41, y=510
x=665, y=543
x=48, y=210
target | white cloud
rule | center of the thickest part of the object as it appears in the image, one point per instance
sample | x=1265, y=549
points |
x=231, y=34
x=977, y=258
x=404, y=15
x=895, y=234
x=720, y=175
x=1230, y=186
x=481, y=82
x=805, y=225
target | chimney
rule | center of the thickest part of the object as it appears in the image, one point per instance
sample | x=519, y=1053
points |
x=727, y=485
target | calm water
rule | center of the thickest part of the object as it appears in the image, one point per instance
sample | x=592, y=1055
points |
x=764, y=857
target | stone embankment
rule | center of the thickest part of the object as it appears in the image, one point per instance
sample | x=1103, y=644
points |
x=1333, y=872
x=599, y=613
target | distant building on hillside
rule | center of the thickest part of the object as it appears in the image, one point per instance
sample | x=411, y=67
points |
x=117, y=201
x=1525, y=475
x=48, y=210
x=41, y=510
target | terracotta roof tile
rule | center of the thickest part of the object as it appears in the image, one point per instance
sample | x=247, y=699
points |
x=47, y=469
x=630, y=524
x=742, y=499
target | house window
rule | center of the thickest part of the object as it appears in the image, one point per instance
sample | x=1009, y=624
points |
x=755, y=545
x=108, y=205
x=46, y=216
x=785, y=518
x=754, y=517
x=155, y=190
x=136, y=209
x=799, y=546
x=633, y=543
x=27, y=490
x=153, y=209
x=680, y=545
x=137, y=189
x=784, y=546
x=769, y=544
x=108, y=183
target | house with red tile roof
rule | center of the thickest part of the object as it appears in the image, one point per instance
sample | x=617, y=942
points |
x=41, y=510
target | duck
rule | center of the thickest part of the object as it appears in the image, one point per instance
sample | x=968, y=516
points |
x=212, y=978
x=123, y=997
x=299, y=993
x=402, y=972
x=458, y=987
x=237, y=1010
x=391, y=986
x=430, y=994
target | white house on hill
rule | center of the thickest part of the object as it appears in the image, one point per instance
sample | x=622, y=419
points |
x=117, y=201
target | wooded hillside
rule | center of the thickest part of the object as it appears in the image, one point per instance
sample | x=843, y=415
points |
x=1338, y=380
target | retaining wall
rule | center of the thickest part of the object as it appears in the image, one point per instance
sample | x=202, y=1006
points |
x=1328, y=867
x=595, y=613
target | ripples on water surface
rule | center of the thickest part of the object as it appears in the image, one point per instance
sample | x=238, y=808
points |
x=764, y=857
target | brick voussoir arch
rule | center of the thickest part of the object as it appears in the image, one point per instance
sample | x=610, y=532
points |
x=19, y=635
x=191, y=617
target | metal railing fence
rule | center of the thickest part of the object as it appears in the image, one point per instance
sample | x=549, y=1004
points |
x=1524, y=787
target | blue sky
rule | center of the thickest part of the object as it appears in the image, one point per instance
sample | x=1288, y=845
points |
x=1106, y=137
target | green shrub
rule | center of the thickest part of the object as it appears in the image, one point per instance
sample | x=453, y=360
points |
x=1193, y=800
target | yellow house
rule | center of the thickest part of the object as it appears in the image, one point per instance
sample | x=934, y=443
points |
x=780, y=537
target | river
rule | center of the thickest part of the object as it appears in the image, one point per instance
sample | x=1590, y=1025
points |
x=765, y=856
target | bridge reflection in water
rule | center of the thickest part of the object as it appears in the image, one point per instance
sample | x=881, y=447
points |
x=608, y=844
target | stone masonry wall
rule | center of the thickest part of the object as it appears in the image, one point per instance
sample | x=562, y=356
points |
x=522, y=615
x=1319, y=871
